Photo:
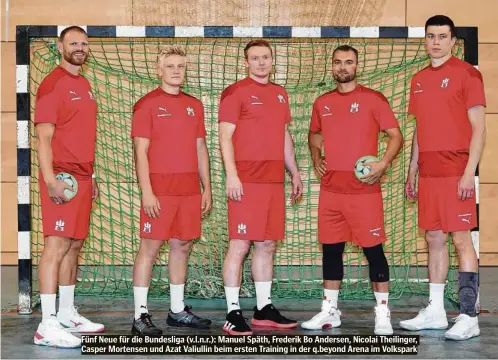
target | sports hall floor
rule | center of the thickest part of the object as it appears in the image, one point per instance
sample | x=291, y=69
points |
x=116, y=314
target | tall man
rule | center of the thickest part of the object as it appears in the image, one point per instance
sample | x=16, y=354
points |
x=66, y=128
x=448, y=102
x=347, y=121
x=256, y=145
x=171, y=155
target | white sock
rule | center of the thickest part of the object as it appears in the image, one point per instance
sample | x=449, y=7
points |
x=66, y=298
x=140, y=297
x=436, y=295
x=263, y=293
x=331, y=296
x=381, y=297
x=47, y=305
x=176, y=293
x=232, y=295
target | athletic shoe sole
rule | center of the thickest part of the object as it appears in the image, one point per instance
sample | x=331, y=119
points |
x=273, y=324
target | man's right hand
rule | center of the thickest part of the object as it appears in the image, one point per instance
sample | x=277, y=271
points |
x=320, y=166
x=152, y=207
x=234, y=188
x=56, y=191
x=411, y=185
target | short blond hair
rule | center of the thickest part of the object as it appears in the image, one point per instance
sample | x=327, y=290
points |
x=170, y=50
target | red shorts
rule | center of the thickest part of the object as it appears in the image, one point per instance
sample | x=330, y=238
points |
x=439, y=207
x=71, y=219
x=180, y=218
x=351, y=217
x=260, y=215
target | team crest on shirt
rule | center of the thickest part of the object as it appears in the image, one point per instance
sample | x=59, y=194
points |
x=91, y=95
x=190, y=111
x=281, y=98
x=355, y=107
x=328, y=111
x=445, y=83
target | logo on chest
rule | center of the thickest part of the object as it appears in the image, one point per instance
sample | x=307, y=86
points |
x=445, y=83
x=327, y=111
x=190, y=111
x=163, y=112
x=281, y=98
x=255, y=100
x=355, y=107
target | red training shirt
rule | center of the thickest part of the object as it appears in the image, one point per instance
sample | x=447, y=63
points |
x=260, y=112
x=173, y=123
x=67, y=101
x=439, y=99
x=350, y=124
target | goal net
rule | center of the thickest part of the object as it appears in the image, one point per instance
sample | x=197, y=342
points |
x=121, y=70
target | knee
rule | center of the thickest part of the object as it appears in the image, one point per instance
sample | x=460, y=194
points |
x=149, y=249
x=76, y=246
x=180, y=247
x=268, y=246
x=333, y=267
x=239, y=248
x=435, y=239
x=56, y=249
x=461, y=240
x=378, y=266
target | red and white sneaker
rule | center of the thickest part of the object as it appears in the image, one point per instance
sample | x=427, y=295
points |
x=74, y=322
x=51, y=333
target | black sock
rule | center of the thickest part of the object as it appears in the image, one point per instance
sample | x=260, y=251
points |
x=467, y=292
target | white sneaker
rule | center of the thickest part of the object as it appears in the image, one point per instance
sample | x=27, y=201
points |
x=51, y=333
x=465, y=327
x=74, y=322
x=383, y=320
x=429, y=318
x=329, y=317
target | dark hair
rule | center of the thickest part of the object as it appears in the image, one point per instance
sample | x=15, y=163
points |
x=69, y=29
x=259, y=42
x=346, y=48
x=441, y=20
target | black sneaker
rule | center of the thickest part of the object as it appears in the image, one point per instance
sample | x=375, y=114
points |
x=144, y=326
x=269, y=316
x=235, y=324
x=187, y=318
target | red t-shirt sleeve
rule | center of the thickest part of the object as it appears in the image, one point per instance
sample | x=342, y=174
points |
x=201, y=133
x=141, y=123
x=316, y=123
x=474, y=88
x=412, y=107
x=384, y=114
x=47, y=103
x=230, y=106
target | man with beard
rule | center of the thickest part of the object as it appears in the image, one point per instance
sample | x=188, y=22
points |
x=447, y=97
x=347, y=122
x=66, y=128
x=256, y=146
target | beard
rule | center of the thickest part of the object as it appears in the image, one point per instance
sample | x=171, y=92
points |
x=344, y=78
x=73, y=60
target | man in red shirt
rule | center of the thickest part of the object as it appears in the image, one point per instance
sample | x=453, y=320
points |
x=447, y=97
x=347, y=122
x=171, y=155
x=66, y=128
x=256, y=147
